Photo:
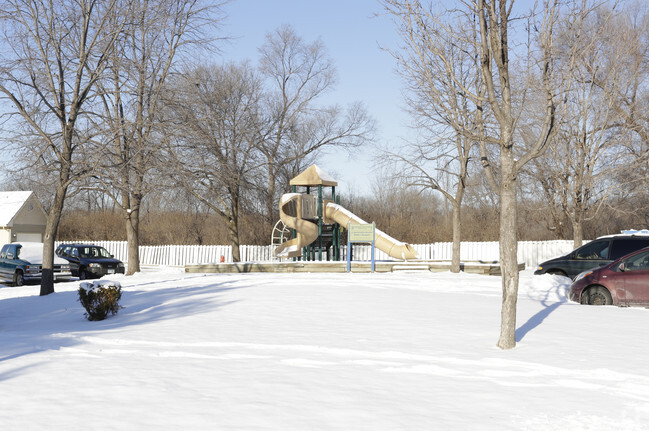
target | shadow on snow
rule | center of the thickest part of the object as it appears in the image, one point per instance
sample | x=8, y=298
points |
x=549, y=306
x=36, y=324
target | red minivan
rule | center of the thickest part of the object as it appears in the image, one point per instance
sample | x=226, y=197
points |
x=622, y=282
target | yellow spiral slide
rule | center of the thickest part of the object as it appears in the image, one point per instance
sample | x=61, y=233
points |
x=307, y=232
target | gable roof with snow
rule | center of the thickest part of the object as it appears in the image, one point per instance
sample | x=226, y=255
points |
x=12, y=202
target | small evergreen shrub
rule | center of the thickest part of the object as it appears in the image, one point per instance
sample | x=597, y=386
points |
x=100, y=298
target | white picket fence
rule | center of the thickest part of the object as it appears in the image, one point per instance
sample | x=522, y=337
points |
x=529, y=252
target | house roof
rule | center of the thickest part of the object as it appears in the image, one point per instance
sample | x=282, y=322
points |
x=313, y=176
x=10, y=204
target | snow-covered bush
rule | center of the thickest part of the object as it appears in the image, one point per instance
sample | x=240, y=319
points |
x=100, y=298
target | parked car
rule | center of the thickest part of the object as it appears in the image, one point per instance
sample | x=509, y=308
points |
x=21, y=262
x=598, y=252
x=622, y=282
x=89, y=261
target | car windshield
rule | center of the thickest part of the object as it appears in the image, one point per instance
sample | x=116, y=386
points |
x=90, y=252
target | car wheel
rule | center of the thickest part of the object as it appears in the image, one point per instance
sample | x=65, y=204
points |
x=19, y=279
x=597, y=295
x=82, y=274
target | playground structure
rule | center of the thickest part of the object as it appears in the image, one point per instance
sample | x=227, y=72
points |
x=313, y=222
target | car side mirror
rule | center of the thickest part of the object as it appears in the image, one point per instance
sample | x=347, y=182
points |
x=622, y=267
x=10, y=255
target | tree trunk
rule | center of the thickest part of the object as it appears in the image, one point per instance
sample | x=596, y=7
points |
x=51, y=229
x=577, y=230
x=508, y=251
x=234, y=239
x=233, y=226
x=270, y=201
x=457, y=238
x=133, y=239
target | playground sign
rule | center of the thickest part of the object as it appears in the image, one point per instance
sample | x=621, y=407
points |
x=363, y=233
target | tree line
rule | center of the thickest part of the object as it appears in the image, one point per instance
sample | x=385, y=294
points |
x=404, y=213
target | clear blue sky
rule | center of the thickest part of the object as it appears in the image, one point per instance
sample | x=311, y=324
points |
x=353, y=36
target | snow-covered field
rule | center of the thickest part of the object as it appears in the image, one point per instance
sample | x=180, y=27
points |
x=397, y=351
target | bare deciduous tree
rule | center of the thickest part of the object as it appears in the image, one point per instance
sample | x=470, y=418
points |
x=55, y=50
x=628, y=43
x=140, y=63
x=576, y=173
x=486, y=23
x=300, y=73
x=216, y=152
x=436, y=66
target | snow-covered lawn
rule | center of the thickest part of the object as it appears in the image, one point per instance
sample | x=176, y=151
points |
x=396, y=351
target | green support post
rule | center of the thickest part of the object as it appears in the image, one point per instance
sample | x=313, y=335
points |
x=337, y=234
x=293, y=231
x=306, y=252
x=320, y=208
x=333, y=228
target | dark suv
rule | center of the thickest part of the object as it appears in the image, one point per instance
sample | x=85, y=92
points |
x=598, y=252
x=89, y=261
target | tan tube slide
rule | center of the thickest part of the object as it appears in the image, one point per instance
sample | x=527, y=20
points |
x=383, y=241
x=307, y=232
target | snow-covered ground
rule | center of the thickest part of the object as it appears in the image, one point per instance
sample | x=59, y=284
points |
x=396, y=351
